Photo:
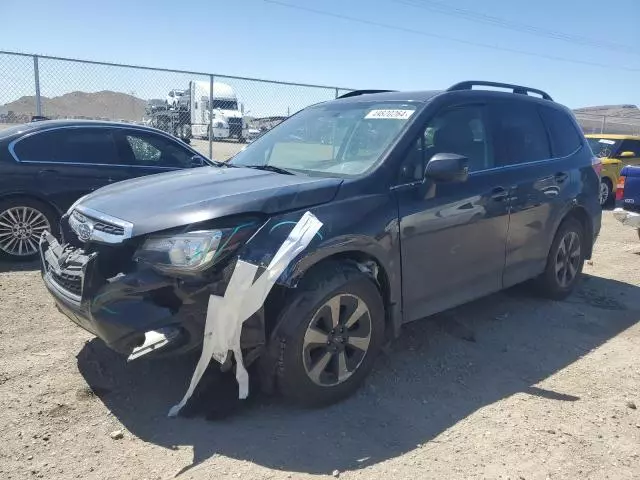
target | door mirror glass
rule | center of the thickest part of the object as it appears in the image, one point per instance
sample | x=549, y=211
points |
x=627, y=155
x=447, y=167
x=197, y=161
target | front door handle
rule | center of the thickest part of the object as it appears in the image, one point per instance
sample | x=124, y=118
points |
x=47, y=172
x=499, y=194
x=561, y=177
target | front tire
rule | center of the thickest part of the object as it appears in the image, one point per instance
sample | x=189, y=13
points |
x=22, y=222
x=565, y=261
x=330, y=333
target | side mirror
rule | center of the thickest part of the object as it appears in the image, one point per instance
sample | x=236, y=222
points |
x=627, y=155
x=447, y=167
x=197, y=161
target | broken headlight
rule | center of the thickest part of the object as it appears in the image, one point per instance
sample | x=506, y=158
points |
x=181, y=253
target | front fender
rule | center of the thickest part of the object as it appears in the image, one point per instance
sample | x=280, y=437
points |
x=364, y=228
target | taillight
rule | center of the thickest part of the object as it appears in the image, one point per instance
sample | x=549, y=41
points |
x=620, y=188
x=596, y=163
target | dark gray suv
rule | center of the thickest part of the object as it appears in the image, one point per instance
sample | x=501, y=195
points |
x=427, y=200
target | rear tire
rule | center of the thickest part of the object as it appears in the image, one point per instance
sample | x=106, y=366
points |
x=22, y=222
x=564, y=262
x=606, y=192
x=330, y=332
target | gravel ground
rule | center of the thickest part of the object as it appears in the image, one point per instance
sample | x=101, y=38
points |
x=506, y=387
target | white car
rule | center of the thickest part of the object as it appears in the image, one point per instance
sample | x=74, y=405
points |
x=173, y=97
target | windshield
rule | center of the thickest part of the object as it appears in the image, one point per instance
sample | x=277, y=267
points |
x=604, y=147
x=225, y=104
x=335, y=139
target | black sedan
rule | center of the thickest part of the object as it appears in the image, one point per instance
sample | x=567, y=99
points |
x=46, y=166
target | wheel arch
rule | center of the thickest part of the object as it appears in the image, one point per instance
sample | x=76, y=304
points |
x=579, y=213
x=368, y=261
x=32, y=196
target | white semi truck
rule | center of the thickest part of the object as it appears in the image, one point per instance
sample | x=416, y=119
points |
x=189, y=117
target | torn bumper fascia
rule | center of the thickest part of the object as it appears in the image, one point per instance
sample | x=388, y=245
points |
x=125, y=310
x=245, y=294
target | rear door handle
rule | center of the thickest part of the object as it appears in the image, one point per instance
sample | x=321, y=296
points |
x=561, y=177
x=499, y=194
x=47, y=172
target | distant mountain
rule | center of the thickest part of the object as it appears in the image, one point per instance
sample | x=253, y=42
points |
x=611, y=111
x=623, y=119
x=104, y=104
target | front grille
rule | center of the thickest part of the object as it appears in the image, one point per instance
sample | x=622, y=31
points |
x=68, y=281
x=235, y=127
x=81, y=220
x=108, y=228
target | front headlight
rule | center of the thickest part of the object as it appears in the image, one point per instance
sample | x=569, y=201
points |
x=181, y=253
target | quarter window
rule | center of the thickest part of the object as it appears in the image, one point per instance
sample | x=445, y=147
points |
x=520, y=135
x=69, y=145
x=565, y=138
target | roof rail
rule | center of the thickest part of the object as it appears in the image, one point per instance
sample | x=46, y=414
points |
x=355, y=93
x=519, y=89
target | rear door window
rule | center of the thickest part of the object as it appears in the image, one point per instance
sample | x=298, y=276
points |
x=69, y=145
x=519, y=134
x=152, y=150
x=565, y=138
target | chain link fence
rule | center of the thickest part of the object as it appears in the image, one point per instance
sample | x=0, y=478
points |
x=217, y=114
x=593, y=123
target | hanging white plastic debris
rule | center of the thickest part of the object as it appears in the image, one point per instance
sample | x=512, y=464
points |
x=244, y=297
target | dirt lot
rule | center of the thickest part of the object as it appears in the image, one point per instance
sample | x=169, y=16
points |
x=507, y=387
x=222, y=151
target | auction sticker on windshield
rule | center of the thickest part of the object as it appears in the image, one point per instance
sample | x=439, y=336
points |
x=607, y=142
x=394, y=114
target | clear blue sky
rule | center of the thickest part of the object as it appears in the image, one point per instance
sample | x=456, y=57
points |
x=260, y=39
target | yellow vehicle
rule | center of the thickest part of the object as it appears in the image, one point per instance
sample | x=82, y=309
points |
x=616, y=151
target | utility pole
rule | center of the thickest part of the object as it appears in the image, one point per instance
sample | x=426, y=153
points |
x=36, y=74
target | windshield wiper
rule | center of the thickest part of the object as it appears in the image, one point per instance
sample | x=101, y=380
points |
x=270, y=168
x=218, y=163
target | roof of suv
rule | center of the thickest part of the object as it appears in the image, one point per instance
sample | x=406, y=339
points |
x=416, y=96
x=467, y=86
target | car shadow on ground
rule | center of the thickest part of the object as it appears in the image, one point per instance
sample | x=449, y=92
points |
x=19, y=266
x=440, y=371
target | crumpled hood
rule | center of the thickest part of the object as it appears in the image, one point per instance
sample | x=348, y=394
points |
x=173, y=199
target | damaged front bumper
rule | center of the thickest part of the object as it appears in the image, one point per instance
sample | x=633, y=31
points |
x=137, y=312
